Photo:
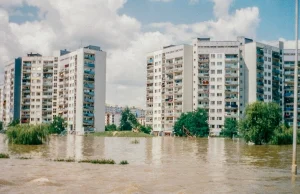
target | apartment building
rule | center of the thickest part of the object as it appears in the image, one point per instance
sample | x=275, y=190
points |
x=81, y=76
x=169, y=86
x=288, y=69
x=263, y=73
x=218, y=81
x=1, y=100
x=113, y=118
x=68, y=84
x=11, y=91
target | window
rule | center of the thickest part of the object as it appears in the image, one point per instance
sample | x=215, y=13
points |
x=219, y=118
x=219, y=110
x=219, y=56
x=212, y=71
x=212, y=110
x=269, y=59
x=212, y=94
x=219, y=94
x=213, y=87
x=213, y=56
x=219, y=63
x=219, y=72
x=219, y=79
x=219, y=103
x=212, y=118
x=212, y=102
x=265, y=58
x=219, y=87
x=212, y=63
x=212, y=79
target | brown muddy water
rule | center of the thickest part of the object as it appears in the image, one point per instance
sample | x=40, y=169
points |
x=156, y=165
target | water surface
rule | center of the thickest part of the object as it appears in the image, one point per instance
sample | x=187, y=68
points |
x=156, y=165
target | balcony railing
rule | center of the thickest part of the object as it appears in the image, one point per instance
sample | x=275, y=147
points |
x=203, y=74
x=89, y=86
x=88, y=114
x=89, y=72
x=92, y=58
x=88, y=100
x=89, y=64
x=89, y=93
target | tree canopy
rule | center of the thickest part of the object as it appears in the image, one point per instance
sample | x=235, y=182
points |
x=58, y=125
x=111, y=127
x=195, y=122
x=260, y=122
x=230, y=127
x=128, y=120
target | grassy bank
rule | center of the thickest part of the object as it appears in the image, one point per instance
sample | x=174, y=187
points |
x=120, y=134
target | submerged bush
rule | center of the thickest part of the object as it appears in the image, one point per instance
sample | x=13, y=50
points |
x=135, y=141
x=64, y=160
x=124, y=162
x=102, y=161
x=24, y=158
x=28, y=134
x=283, y=136
x=3, y=155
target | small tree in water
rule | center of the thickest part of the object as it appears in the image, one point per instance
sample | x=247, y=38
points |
x=260, y=122
x=230, y=127
x=128, y=120
x=195, y=122
x=58, y=125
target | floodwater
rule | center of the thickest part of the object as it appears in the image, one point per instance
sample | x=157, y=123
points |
x=156, y=165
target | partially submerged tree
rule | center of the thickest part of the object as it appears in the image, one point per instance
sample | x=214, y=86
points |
x=195, y=122
x=260, y=122
x=128, y=120
x=58, y=125
x=230, y=128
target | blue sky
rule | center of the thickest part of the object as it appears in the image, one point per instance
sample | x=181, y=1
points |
x=277, y=16
x=128, y=30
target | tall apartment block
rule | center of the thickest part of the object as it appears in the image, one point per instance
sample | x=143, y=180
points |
x=218, y=80
x=263, y=73
x=169, y=86
x=68, y=84
x=288, y=67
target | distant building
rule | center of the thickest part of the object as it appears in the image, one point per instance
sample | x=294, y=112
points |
x=113, y=119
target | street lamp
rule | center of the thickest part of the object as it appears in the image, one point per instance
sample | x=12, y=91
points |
x=295, y=124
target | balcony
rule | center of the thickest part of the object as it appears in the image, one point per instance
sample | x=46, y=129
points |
x=88, y=100
x=178, y=84
x=179, y=69
x=179, y=99
x=88, y=114
x=231, y=66
x=231, y=99
x=149, y=87
x=231, y=114
x=231, y=75
x=260, y=52
x=203, y=74
x=90, y=86
x=232, y=106
x=203, y=98
x=204, y=67
x=260, y=60
x=203, y=90
x=150, y=61
x=149, y=81
x=26, y=77
x=231, y=82
x=169, y=71
x=260, y=67
x=260, y=91
x=89, y=57
x=276, y=64
x=204, y=59
x=203, y=106
x=88, y=122
x=89, y=79
x=27, y=64
x=260, y=83
x=276, y=71
x=48, y=71
x=89, y=65
x=47, y=83
x=259, y=76
x=88, y=107
x=178, y=77
x=231, y=90
x=150, y=74
x=89, y=72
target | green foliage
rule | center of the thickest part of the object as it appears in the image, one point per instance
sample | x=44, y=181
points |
x=135, y=141
x=102, y=161
x=195, y=122
x=111, y=127
x=3, y=155
x=64, y=160
x=120, y=134
x=13, y=123
x=230, y=128
x=1, y=126
x=128, y=120
x=124, y=162
x=145, y=129
x=24, y=158
x=28, y=134
x=57, y=126
x=260, y=122
x=283, y=135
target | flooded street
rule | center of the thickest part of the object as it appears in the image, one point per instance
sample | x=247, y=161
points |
x=156, y=165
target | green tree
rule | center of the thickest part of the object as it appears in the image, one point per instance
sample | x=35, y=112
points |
x=111, y=127
x=260, y=122
x=145, y=129
x=195, y=122
x=230, y=127
x=128, y=120
x=58, y=125
x=13, y=123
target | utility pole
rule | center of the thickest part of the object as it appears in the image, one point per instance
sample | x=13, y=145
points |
x=295, y=124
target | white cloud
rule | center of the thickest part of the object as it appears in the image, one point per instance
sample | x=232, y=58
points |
x=64, y=24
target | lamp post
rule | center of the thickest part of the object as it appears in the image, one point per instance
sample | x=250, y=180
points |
x=295, y=124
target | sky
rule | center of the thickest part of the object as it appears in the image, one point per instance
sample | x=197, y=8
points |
x=128, y=29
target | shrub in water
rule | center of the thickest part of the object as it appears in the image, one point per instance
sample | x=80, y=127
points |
x=2, y=155
x=28, y=134
x=102, y=161
x=64, y=160
x=135, y=141
x=124, y=162
x=24, y=158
